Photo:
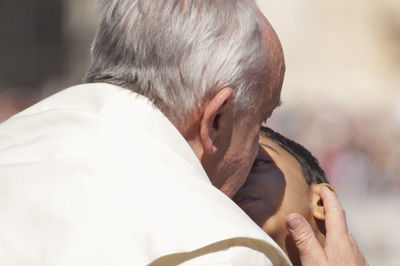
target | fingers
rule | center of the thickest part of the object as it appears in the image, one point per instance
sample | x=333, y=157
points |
x=340, y=247
x=310, y=251
x=335, y=218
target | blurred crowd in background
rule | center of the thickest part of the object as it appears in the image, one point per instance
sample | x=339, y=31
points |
x=358, y=153
x=341, y=93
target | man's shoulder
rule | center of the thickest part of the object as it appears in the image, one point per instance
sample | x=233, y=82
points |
x=81, y=121
x=89, y=97
x=115, y=204
x=116, y=178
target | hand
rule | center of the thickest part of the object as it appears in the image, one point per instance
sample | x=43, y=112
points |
x=340, y=247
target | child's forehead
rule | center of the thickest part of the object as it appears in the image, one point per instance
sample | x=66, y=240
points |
x=283, y=159
x=271, y=146
x=268, y=142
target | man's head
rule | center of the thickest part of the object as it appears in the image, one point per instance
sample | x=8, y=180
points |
x=284, y=178
x=213, y=67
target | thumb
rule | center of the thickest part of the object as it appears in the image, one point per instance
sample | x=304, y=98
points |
x=310, y=251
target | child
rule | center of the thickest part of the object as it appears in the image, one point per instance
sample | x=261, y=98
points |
x=284, y=178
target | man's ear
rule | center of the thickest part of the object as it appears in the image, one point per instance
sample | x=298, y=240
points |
x=317, y=207
x=217, y=120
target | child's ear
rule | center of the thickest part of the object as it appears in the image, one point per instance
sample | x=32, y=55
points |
x=317, y=207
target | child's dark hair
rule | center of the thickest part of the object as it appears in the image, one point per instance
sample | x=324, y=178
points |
x=313, y=172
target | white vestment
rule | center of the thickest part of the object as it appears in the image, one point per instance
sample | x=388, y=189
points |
x=96, y=175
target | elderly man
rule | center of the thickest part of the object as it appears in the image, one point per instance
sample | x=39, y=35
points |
x=129, y=168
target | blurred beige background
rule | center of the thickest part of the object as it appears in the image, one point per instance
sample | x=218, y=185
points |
x=341, y=93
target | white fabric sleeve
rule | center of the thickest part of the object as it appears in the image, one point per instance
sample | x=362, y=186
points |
x=234, y=256
x=228, y=252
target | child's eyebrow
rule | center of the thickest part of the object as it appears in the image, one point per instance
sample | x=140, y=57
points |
x=269, y=147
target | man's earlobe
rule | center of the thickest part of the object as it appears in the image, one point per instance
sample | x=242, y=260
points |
x=317, y=207
x=216, y=113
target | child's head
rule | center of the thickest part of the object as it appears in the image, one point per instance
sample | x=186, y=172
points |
x=284, y=178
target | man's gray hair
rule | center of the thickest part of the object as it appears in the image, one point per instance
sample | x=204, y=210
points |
x=179, y=53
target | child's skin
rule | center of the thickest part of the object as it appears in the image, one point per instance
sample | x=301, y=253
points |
x=275, y=188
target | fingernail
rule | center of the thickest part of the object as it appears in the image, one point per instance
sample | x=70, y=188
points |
x=294, y=223
x=328, y=187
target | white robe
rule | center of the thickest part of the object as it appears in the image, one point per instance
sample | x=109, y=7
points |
x=96, y=175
